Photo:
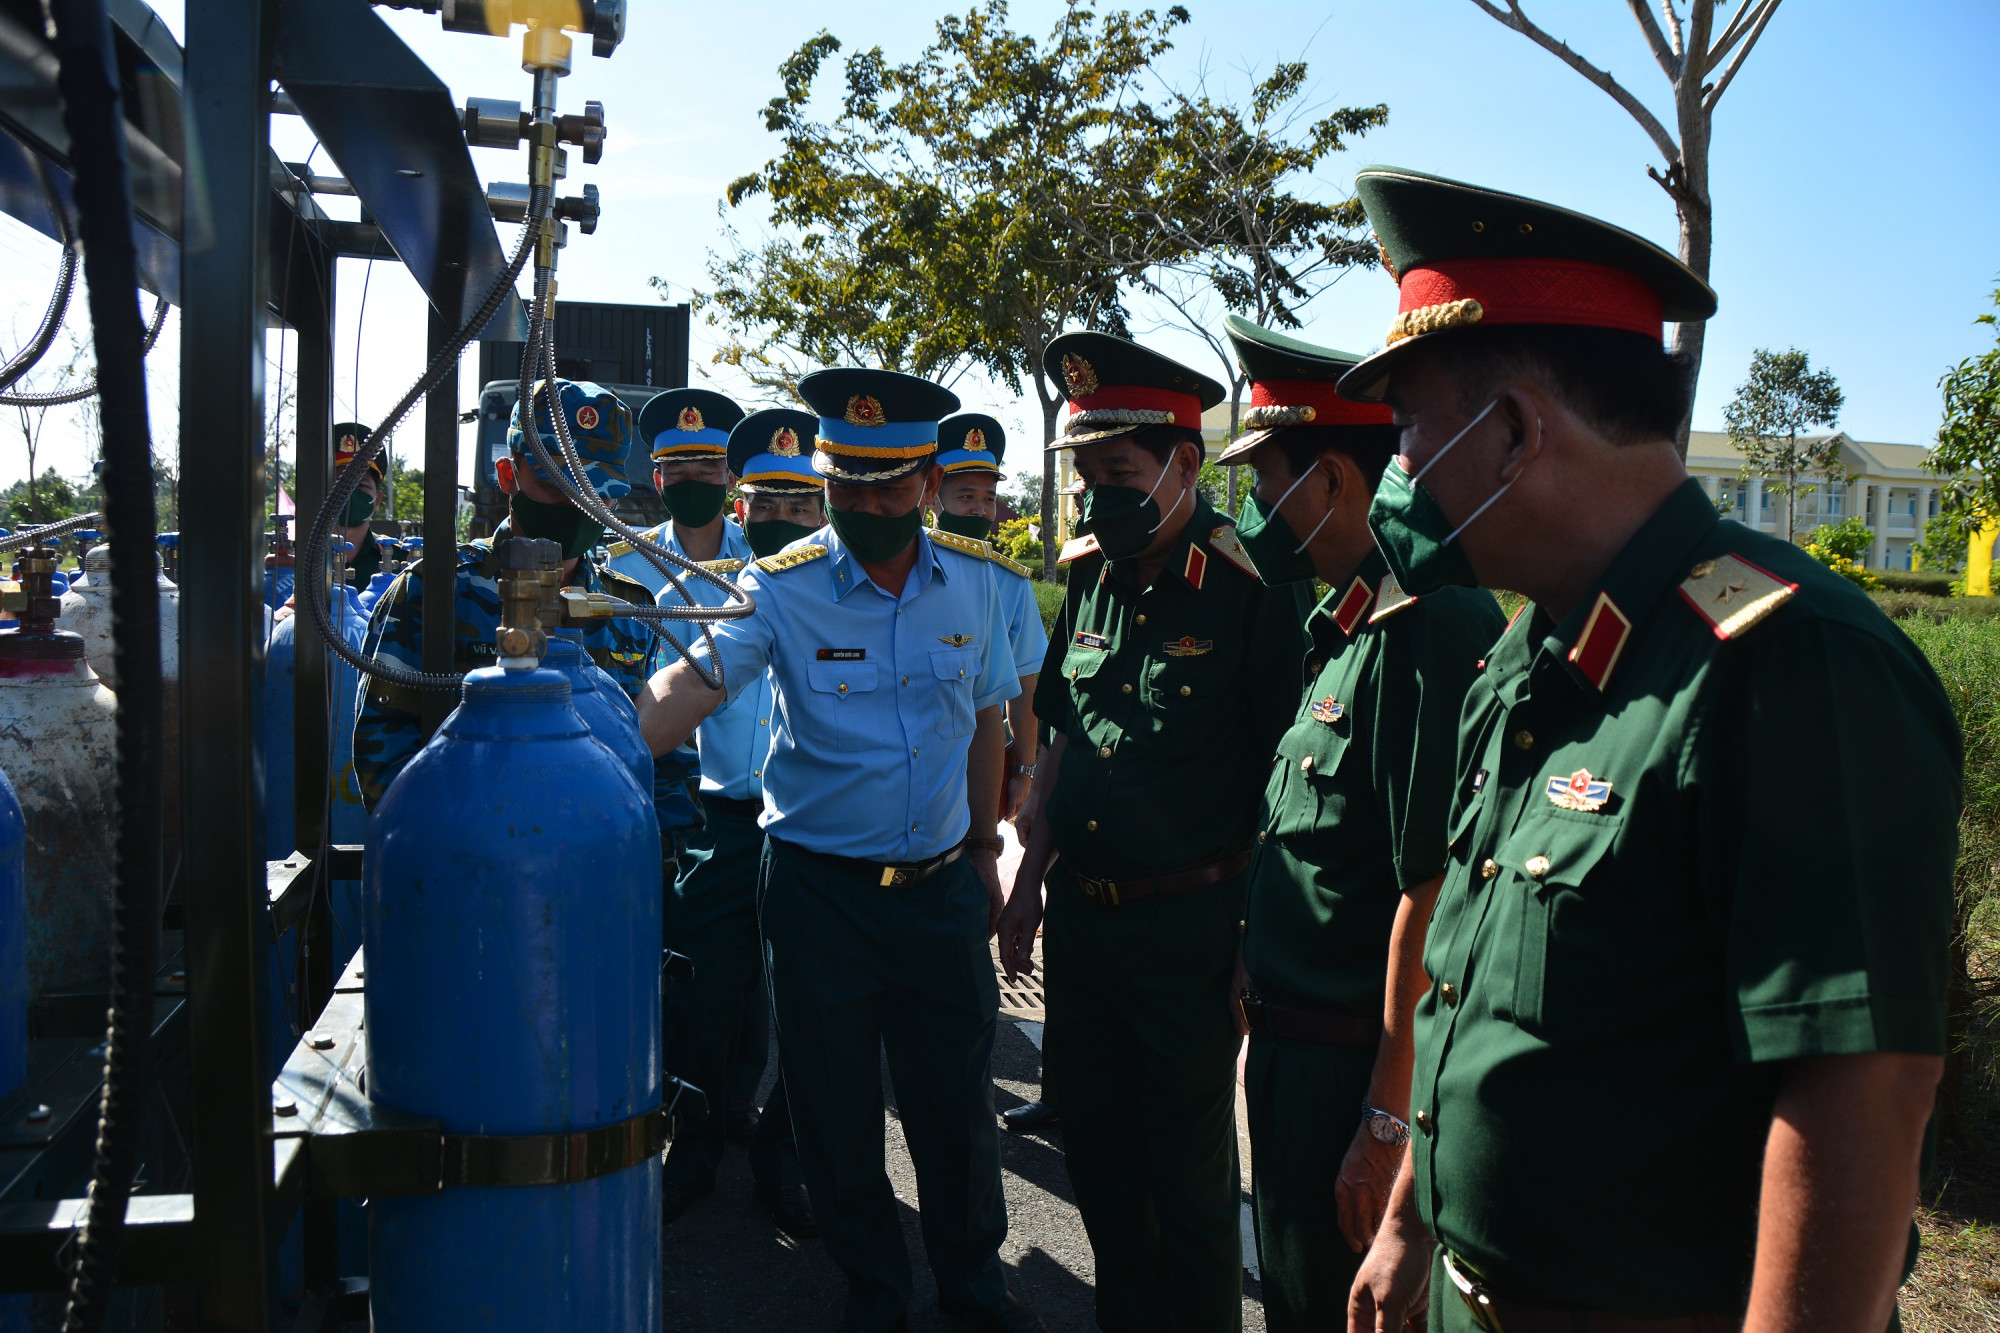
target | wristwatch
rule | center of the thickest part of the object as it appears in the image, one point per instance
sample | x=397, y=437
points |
x=1025, y=770
x=1384, y=1127
x=986, y=844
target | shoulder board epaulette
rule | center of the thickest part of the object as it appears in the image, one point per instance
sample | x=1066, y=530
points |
x=618, y=548
x=721, y=566
x=1732, y=595
x=1076, y=548
x=1390, y=599
x=974, y=547
x=784, y=560
x=624, y=587
x=1223, y=541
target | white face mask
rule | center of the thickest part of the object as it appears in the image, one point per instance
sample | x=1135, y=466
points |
x=1177, y=499
x=1323, y=517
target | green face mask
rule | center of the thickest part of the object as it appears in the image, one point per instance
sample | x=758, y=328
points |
x=564, y=524
x=977, y=526
x=360, y=508
x=694, y=504
x=1122, y=519
x=875, y=538
x=768, y=536
x=1417, y=540
x=1274, y=548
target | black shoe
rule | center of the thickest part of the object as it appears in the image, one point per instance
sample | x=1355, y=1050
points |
x=1032, y=1118
x=792, y=1208
x=1013, y=1315
x=740, y=1122
x=677, y=1196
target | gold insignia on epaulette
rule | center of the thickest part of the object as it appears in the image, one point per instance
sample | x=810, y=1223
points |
x=618, y=548
x=963, y=545
x=1014, y=567
x=721, y=566
x=1225, y=543
x=1390, y=599
x=1732, y=594
x=784, y=560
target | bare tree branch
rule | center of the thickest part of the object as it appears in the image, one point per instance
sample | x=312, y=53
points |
x=1670, y=63
x=1674, y=27
x=1714, y=95
x=1746, y=17
x=1513, y=18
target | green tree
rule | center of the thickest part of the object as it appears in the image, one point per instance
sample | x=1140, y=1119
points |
x=923, y=226
x=1781, y=399
x=1968, y=440
x=407, y=484
x=1941, y=548
x=49, y=498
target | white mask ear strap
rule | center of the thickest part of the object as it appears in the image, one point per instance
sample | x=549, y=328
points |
x=1496, y=495
x=1322, y=518
x=1454, y=440
x=1170, y=513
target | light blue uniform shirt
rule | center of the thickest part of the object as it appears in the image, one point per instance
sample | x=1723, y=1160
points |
x=876, y=696
x=1024, y=621
x=736, y=739
x=735, y=546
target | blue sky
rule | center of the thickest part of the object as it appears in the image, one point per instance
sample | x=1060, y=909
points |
x=1857, y=211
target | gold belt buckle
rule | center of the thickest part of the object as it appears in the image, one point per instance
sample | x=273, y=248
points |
x=892, y=877
x=1477, y=1299
x=1102, y=889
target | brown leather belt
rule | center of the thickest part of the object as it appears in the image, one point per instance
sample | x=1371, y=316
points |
x=1324, y=1027
x=1495, y=1313
x=1137, y=888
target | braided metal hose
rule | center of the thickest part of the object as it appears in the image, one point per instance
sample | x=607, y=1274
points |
x=83, y=391
x=32, y=536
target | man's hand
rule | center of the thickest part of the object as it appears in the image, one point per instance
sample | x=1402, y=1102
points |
x=1361, y=1191
x=1392, y=1290
x=1017, y=795
x=986, y=864
x=1239, y=981
x=1018, y=924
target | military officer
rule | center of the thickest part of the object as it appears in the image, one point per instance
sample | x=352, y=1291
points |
x=971, y=446
x=352, y=526
x=1167, y=687
x=890, y=660
x=388, y=731
x=1688, y=1004
x=716, y=1015
x=688, y=431
x=1351, y=845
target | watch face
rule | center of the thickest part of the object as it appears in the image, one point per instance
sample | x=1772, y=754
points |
x=1379, y=1126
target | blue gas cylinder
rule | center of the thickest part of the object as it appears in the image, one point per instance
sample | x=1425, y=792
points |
x=597, y=698
x=512, y=900
x=13, y=940
x=379, y=581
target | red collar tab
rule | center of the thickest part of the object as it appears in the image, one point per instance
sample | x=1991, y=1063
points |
x=1602, y=642
x=1182, y=409
x=1352, y=606
x=1197, y=565
x=1310, y=402
x=1456, y=292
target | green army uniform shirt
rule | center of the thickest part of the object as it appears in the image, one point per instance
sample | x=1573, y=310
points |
x=1172, y=697
x=1706, y=824
x=1355, y=809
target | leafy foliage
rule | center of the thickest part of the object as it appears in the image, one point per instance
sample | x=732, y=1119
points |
x=1968, y=440
x=1851, y=538
x=51, y=499
x=1942, y=545
x=1014, y=541
x=1781, y=399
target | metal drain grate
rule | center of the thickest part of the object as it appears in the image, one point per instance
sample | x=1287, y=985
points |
x=1021, y=997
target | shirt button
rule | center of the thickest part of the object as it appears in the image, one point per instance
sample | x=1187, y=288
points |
x=1312, y=665
x=1125, y=689
x=906, y=680
x=1306, y=764
x=961, y=673
x=756, y=772
x=1488, y=868
x=1186, y=691
x=1449, y=992
x=1424, y=1121
x=1103, y=752
x=1524, y=740
x=1537, y=866
x=1092, y=826
x=763, y=721
x=1262, y=836
x=913, y=752
x=843, y=687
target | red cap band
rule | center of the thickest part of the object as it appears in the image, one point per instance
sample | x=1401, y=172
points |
x=1328, y=407
x=1529, y=291
x=1186, y=408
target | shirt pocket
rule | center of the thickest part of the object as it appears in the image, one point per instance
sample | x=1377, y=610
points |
x=836, y=718
x=1554, y=871
x=1312, y=752
x=1180, y=692
x=955, y=670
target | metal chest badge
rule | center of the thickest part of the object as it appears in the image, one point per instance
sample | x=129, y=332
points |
x=1328, y=711
x=1187, y=646
x=1579, y=791
x=957, y=640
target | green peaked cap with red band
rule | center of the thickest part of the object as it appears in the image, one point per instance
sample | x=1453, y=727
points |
x=1291, y=384
x=1115, y=387
x=1464, y=256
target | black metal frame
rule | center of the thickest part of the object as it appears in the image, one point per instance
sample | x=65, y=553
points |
x=248, y=246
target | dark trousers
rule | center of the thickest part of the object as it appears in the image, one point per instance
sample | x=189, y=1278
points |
x=857, y=970
x=1304, y=1103
x=1140, y=1055
x=712, y=918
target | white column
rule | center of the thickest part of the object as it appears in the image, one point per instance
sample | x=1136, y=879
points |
x=1755, y=504
x=1878, y=519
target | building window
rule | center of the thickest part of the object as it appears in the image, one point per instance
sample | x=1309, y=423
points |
x=1836, y=500
x=1933, y=506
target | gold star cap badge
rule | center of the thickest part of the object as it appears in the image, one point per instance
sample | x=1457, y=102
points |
x=1079, y=375
x=785, y=444
x=690, y=419
x=863, y=410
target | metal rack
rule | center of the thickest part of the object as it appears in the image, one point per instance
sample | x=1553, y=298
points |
x=234, y=237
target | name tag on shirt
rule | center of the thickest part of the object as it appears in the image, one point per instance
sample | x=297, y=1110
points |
x=843, y=654
x=1088, y=640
